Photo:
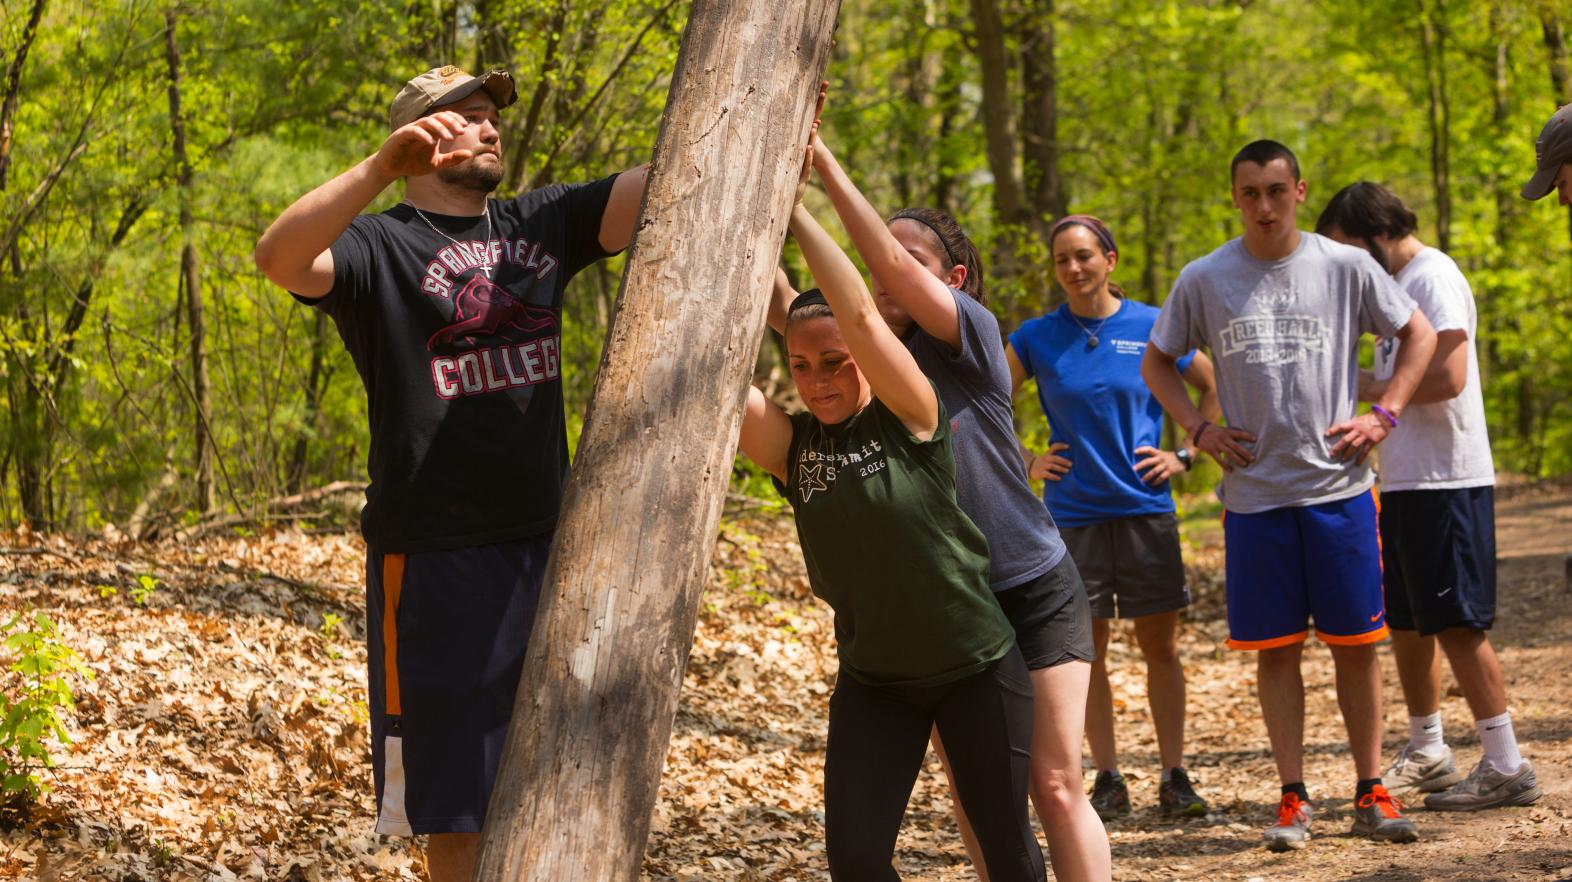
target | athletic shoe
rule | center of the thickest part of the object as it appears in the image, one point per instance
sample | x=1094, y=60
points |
x=1417, y=772
x=1292, y=829
x=1110, y=796
x=1376, y=815
x=1487, y=788
x=1176, y=797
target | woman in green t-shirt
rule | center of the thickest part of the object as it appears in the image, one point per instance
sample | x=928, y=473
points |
x=922, y=642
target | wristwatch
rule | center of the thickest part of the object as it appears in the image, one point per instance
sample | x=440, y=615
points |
x=1184, y=457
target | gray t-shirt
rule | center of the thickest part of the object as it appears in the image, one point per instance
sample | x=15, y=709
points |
x=1284, y=335
x=990, y=478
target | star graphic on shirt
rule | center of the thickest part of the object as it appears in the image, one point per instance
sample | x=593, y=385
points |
x=808, y=479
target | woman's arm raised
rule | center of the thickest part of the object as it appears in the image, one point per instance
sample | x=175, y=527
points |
x=927, y=299
x=892, y=373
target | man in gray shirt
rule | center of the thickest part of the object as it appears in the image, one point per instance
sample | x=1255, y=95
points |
x=1282, y=312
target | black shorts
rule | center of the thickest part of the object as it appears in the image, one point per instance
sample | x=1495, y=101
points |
x=1132, y=566
x=1052, y=621
x=445, y=639
x=1438, y=555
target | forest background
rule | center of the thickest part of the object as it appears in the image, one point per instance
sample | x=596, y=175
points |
x=154, y=379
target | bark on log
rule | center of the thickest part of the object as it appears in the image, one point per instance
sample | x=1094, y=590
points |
x=595, y=705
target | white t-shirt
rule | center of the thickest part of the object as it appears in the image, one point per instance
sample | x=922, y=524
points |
x=1443, y=445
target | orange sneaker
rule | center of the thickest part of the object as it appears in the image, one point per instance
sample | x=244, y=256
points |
x=1377, y=816
x=1292, y=829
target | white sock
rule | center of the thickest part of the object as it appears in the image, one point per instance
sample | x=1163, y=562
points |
x=1424, y=734
x=1500, y=744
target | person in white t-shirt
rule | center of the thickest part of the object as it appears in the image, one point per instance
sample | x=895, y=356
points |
x=1437, y=519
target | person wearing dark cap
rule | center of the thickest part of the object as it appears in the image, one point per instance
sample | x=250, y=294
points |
x=450, y=306
x=870, y=473
x=1553, y=155
x=1105, y=478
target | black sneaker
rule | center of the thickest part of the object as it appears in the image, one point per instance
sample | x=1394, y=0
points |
x=1110, y=796
x=1176, y=797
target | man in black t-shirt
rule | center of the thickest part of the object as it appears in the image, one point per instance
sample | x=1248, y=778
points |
x=450, y=306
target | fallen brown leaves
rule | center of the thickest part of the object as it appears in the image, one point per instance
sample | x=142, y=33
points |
x=224, y=736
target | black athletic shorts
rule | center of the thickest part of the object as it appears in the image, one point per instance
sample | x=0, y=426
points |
x=1052, y=621
x=1438, y=556
x=1132, y=566
x=445, y=638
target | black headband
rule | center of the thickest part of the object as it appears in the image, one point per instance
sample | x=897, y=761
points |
x=936, y=234
x=807, y=298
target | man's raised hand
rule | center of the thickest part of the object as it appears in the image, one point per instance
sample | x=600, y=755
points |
x=416, y=149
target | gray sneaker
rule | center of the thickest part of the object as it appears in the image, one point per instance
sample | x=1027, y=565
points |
x=1487, y=788
x=1377, y=816
x=1292, y=829
x=1417, y=772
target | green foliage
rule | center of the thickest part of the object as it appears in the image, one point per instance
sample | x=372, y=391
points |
x=328, y=632
x=95, y=347
x=145, y=585
x=34, y=703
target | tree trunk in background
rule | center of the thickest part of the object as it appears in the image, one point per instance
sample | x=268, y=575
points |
x=920, y=70
x=30, y=432
x=316, y=385
x=1556, y=46
x=13, y=87
x=1045, y=196
x=599, y=690
x=522, y=145
x=1432, y=31
x=1560, y=71
x=190, y=277
x=1506, y=200
x=492, y=47
x=994, y=59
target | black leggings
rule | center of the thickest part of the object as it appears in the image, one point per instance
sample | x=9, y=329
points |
x=878, y=737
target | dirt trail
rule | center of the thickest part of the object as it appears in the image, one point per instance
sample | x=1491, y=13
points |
x=223, y=736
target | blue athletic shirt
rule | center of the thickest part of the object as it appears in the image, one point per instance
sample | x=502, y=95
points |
x=1097, y=403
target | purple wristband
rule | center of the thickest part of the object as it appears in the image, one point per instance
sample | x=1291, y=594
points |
x=1385, y=414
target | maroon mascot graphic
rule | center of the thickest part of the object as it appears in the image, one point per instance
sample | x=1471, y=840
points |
x=482, y=309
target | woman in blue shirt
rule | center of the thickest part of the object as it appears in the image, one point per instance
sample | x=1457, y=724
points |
x=1105, y=479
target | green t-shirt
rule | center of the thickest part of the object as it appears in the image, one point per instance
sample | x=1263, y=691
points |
x=889, y=550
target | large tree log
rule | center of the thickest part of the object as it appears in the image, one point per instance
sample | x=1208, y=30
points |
x=599, y=691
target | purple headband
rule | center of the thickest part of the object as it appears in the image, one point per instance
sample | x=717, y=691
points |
x=1098, y=228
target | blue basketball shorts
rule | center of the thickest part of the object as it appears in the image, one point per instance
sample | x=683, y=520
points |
x=1439, y=551
x=445, y=638
x=1287, y=567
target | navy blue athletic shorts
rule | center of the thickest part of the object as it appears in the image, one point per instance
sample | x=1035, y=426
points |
x=445, y=639
x=1289, y=566
x=1439, y=548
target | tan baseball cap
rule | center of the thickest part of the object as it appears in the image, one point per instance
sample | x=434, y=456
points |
x=1553, y=149
x=444, y=85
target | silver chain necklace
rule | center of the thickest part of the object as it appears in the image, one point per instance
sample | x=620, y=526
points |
x=1091, y=335
x=485, y=265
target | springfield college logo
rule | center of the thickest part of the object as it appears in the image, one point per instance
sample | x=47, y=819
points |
x=494, y=340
